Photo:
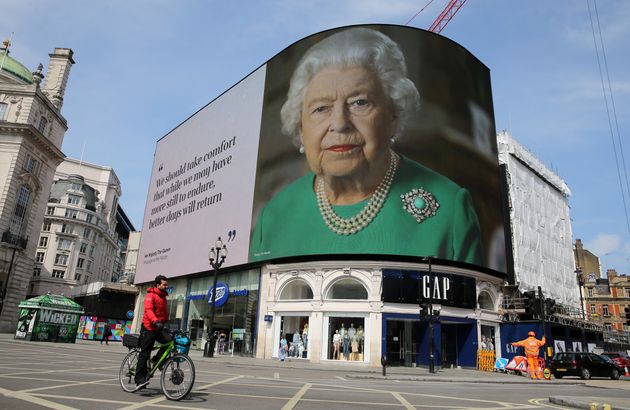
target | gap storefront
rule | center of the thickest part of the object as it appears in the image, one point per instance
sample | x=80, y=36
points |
x=358, y=311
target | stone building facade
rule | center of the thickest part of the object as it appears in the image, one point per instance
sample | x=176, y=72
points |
x=78, y=242
x=31, y=133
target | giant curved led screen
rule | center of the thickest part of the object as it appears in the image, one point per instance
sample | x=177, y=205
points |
x=374, y=140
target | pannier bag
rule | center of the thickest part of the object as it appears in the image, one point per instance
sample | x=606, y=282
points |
x=182, y=344
x=131, y=340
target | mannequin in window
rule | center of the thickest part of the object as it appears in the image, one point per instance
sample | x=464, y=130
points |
x=305, y=336
x=345, y=342
x=336, y=344
x=352, y=339
x=295, y=345
x=360, y=336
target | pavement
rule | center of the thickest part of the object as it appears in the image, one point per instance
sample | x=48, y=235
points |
x=598, y=400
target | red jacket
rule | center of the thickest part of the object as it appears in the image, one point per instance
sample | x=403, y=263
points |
x=155, y=309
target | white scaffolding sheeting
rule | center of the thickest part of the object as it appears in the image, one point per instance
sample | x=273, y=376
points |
x=541, y=226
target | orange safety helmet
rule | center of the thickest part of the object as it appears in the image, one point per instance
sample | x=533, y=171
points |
x=531, y=333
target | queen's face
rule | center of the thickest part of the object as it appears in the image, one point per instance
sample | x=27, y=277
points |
x=347, y=121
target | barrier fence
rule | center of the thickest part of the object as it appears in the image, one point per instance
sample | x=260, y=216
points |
x=485, y=360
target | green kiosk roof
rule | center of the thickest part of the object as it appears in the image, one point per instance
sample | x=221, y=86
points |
x=57, y=302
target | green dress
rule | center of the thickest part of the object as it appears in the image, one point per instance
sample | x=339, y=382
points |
x=291, y=223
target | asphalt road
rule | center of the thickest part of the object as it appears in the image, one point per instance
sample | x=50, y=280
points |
x=85, y=376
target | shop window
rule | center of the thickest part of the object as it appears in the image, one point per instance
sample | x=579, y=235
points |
x=346, y=338
x=485, y=301
x=347, y=288
x=296, y=289
x=295, y=330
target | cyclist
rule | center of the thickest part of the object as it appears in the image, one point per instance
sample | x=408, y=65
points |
x=155, y=315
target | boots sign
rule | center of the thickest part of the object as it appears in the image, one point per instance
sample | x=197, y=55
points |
x=402, y=286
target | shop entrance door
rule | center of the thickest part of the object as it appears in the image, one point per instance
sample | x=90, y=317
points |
x=402, y=342
x=449, y=349
x=459, y=344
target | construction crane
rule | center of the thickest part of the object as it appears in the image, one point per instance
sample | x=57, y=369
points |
x=446, y=15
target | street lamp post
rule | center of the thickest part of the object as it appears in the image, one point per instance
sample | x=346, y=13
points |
x=580, y=279
x=216, y=257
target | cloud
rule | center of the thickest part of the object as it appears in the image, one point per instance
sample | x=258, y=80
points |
x=604, y=244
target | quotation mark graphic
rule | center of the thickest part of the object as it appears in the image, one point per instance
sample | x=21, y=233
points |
x=231, y=235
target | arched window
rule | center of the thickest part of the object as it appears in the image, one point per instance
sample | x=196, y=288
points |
x=296, y=289
x=347, y=288
x=485, y=301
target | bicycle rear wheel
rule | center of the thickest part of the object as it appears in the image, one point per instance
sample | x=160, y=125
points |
x=178, y=377
x=127, y=372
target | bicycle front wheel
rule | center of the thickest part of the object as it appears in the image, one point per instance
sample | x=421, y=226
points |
x=178, y=377
x=127, y=372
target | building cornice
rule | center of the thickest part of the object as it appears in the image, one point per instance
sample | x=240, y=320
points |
x=34, y=136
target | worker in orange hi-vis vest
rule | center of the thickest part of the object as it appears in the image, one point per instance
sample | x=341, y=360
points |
x=532, y=347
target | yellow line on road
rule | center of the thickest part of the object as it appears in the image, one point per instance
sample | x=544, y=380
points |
x=296, y=398
x=402, y=400
x=35, y=400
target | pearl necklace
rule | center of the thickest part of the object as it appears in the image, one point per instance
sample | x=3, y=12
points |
x=352, y=225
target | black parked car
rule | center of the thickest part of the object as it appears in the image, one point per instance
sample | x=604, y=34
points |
x=584, y=365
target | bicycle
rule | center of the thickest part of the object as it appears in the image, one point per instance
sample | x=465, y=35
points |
x=177, y=369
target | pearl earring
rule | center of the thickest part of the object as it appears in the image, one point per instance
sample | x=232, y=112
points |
x=301, y=149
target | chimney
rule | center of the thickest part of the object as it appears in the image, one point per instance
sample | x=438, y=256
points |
x=57, y=75
x=578, y=244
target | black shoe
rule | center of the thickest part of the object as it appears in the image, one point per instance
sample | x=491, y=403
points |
x=141, y=386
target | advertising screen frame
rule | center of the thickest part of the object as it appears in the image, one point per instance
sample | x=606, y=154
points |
x=461, y=121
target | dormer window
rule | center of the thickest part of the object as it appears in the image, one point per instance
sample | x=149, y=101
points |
x=41, y=125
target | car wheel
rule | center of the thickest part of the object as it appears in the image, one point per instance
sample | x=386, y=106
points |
x=585, y=374
x=615, y=374
x=558, y=376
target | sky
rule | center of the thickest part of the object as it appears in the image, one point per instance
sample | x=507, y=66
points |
x=144, y=66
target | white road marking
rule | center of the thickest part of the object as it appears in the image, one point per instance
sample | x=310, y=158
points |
x=341, y=378
x=296, y=398
x=59, y=386
x=153, y=402
x=402, y=400
x=537, y=402
x=35, y=400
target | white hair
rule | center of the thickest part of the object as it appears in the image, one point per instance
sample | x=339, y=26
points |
x=361, y=47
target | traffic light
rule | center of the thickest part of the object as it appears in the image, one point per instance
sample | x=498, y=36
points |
x=550, y=306
x=530, y=302
x=627, y=310
x=424, y=310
